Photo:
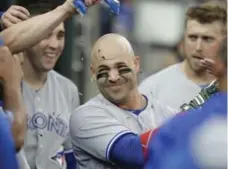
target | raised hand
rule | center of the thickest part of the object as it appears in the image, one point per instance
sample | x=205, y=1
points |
x=14, y=15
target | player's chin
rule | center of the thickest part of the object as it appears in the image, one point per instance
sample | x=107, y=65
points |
x=48, y=67
x=197, y=67
x=117, y=98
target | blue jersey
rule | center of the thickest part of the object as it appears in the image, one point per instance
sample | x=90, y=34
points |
x=7, y=148
x=178, y=144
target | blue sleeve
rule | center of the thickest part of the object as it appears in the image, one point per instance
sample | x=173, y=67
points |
x=169, y=147
x=7, y=148
x=70, y=160
x=127, y=152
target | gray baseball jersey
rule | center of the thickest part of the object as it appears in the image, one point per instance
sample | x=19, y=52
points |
x=96, y=125
x=171, y=86
x=49, y=110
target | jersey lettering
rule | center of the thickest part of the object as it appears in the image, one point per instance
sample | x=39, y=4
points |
x=48, y=122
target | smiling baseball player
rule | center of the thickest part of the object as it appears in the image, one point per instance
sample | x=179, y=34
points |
x=105, y=130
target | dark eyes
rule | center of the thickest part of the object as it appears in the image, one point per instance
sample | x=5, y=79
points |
x=102, y=75
x=61, y=36
x=208, y=39
x=192, y=37
x=125, y=70
x=122, y=70
x=205, y=38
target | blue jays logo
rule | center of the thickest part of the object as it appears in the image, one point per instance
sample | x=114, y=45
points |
x=59, y=158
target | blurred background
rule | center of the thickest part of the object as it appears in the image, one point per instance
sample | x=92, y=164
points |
x=154, y=27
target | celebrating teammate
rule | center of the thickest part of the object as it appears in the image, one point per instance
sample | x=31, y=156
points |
x=204, y=28
x=29, y=32
x=196, y=139
x=12, y=112
x=49, y=97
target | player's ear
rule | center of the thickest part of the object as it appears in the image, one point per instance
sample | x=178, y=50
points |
x=137, y=64
x=93, y=73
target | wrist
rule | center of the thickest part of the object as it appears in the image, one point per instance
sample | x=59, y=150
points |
x=68, y=8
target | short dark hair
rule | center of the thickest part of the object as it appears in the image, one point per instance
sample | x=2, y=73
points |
x=208, y=12
x=42, y=7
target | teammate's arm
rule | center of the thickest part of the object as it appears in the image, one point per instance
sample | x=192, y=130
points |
x=13, y=103
x=11, y=74
x=28, y=33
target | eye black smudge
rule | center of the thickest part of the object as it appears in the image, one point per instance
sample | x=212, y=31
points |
x=102, y=75
x=125, y=70
x=121, y=72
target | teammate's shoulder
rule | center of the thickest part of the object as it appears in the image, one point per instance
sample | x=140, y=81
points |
x=60, y=78
x=160, y=75
x=163, y=72
x=98, y=101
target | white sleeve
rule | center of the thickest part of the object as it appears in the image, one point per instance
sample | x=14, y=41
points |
x=22, y=161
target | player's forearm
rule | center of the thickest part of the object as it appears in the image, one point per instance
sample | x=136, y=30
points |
x=131, y=150
x=28, y=33
x=13, y=102
x=127, y=152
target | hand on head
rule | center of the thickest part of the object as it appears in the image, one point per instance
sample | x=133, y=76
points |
x=14, y=15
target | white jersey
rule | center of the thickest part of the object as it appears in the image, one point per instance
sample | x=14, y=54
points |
x=171, y=86
x=96, y=125
x=48, y=110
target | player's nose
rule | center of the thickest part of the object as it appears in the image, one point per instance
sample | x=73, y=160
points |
x=113, y=76
x=53, y=42
x=199, y=45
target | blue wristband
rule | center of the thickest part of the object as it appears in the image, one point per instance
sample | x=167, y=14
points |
x=114, y=6
x=80, y=6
